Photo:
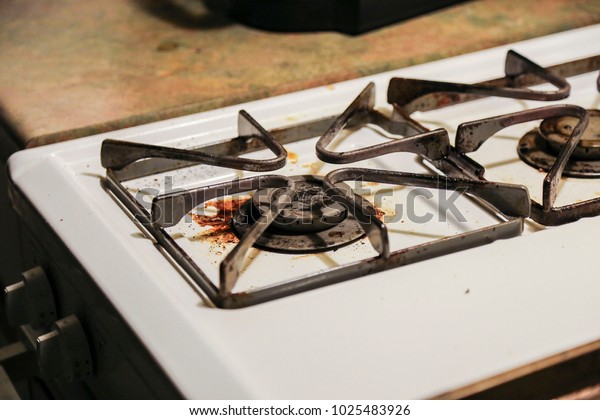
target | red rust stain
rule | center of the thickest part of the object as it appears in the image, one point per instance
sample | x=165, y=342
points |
x=380, y=213
x=446, y=99
x=220, y=231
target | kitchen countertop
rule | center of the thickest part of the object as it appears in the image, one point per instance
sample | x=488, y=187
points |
x=79, y=67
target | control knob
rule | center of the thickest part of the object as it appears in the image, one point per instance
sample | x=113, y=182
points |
x=30, y=301
x=64, y=352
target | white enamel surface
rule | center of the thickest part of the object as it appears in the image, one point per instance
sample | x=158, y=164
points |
x=412, y=332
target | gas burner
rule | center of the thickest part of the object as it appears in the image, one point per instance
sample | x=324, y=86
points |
x=540, y=148
x=313, y=222
x=470, y=136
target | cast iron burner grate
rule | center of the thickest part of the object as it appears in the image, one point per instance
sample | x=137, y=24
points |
x=310, y=214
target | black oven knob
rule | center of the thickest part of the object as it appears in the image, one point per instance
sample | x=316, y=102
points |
x=64, y=352
x=30, y=301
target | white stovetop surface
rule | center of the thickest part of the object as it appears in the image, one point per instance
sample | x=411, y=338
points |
x=412, y=332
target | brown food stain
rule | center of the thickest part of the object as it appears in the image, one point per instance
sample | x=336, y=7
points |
x=292, y=157
x=297, y=257
x=168, y=45
x=220, y=231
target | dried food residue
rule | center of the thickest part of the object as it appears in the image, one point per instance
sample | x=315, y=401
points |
x=168, y=45
x=220, y=231
x=292, y=157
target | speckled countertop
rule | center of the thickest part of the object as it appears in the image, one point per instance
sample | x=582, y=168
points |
x=72, y=68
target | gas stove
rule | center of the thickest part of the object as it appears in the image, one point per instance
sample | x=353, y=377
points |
x=420, y=233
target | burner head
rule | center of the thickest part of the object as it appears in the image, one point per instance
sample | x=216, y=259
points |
x=313, y=223
x=540, y=148
x=312, y=210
